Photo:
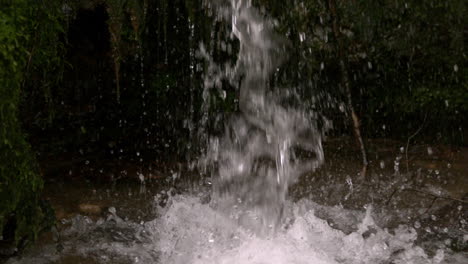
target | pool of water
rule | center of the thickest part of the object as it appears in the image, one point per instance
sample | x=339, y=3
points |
x=329, y=217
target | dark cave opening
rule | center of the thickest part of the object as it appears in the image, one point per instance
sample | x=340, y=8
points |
x=89, y=57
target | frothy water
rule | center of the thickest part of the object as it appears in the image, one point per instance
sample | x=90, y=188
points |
x=190, y=231
x=257, y=158
x=206, y=236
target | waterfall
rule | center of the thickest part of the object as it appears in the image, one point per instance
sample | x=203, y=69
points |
x=270, y=143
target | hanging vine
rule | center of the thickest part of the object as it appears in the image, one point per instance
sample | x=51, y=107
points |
x=115, y=9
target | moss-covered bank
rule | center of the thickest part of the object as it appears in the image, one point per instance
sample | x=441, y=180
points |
x=22, y=213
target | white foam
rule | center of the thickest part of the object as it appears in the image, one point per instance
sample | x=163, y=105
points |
x=191, y=232
x=188, y=231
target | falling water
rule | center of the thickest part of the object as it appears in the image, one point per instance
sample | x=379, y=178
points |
x=257, y=158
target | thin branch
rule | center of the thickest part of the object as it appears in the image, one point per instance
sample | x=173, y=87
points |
x=409, y=139
x=391, y=196
x=437, y=196
x=430, y=206
x=342, y=55
x=30, y=58
x=426, y=193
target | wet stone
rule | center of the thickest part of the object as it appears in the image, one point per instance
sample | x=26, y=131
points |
x=90, y=209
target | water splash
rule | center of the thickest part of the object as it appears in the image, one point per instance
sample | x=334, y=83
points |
x=190, y=231
x=269, y=143
x=205, y=235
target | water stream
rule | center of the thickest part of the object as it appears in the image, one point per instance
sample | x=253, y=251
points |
x=255, y=161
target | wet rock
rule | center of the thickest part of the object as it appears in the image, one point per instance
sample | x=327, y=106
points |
x=90, y=209
x=7, y=248
x=60, y=213
x=428, y=164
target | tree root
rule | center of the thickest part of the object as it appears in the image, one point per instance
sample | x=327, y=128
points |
x=434, y=196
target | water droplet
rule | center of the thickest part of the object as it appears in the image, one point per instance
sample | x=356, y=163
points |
x=429, y=151
x=417, y=224
x=342, y=108
x=211, y=238
x=302, y=36
x=112, y=210
x=382, y=164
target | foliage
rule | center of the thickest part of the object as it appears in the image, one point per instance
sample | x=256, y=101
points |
x=22, y=215
x=45, y=61
x=406, y=60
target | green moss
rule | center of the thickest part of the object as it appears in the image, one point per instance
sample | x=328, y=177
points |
x=22, y=214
